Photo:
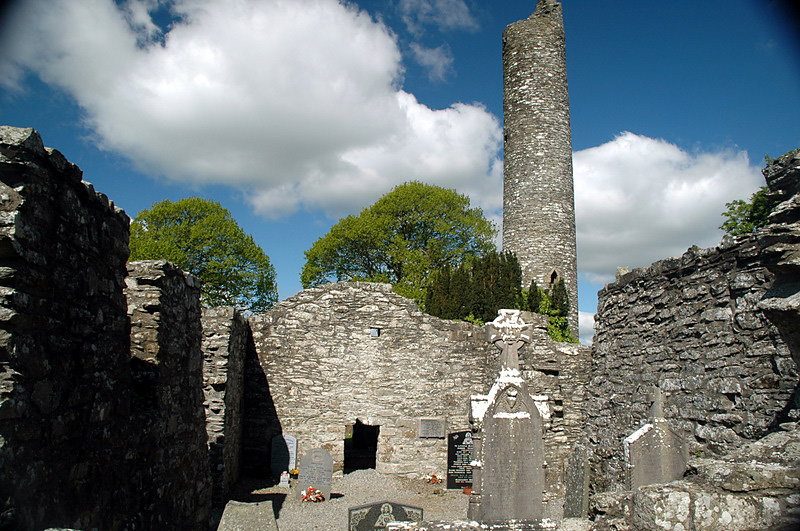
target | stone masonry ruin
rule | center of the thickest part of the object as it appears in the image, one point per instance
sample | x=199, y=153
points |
x=124, y=405
x=121, y=415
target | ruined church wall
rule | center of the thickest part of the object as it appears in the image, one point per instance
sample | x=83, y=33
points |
x=168, y=441
x=559, y=371
x=326, y=370
x=225, y=342
x=692, y=326
x=64, y=339
x=99, y=429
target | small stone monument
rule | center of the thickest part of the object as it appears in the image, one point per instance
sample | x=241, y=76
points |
x=378, y=515
x=284, y=483
x=316, y=470
x=240, y=516
x=459, y=460
x=508, y=470
x=576, y=501
x=654, y=453
x=284, y=454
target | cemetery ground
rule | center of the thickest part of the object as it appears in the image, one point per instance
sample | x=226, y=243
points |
x=360, y=487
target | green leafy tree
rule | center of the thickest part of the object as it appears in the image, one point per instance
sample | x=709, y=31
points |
x=402, y=239
x=202, y=238
x=743, y=217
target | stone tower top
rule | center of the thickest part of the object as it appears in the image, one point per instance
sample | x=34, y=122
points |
x=538, y=197
x=550, y=8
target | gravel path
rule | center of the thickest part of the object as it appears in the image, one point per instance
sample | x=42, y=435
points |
x=357, y=488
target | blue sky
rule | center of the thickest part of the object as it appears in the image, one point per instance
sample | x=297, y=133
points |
x=294, y=113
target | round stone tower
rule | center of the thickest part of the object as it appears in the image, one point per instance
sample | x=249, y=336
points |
x=538, y=196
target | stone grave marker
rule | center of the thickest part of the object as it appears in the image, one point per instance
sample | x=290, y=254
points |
x=576, y=502
x=377, y=515
x=654, y=453
x=430, y=427
x=316, y=470
x=459, y=459
x=284, y=454
x=240, y=516
x=508, y=474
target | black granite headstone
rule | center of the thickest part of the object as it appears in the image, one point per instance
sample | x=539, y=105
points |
x=377, y=515
x=459, y=457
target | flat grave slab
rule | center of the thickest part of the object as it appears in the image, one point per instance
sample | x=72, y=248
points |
x=378, y=515
x=240, y=516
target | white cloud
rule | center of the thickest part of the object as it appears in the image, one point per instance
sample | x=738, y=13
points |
x=586, y=327
x=299, y=103
x=445, y=14
x=638, y=200
x=437, y=61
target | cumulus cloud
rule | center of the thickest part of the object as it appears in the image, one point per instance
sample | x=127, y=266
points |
x=639, y=199
x=586, y=327
x=298, y=103
x=444, y=14
x=437, y=61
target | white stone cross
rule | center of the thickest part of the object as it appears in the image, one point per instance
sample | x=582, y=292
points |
x=509, y=333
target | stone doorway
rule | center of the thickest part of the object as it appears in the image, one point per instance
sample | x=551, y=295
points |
x=360, y=446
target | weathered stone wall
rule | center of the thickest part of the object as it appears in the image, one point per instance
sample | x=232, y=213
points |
x=172, y=474
x=755, y=486
x=63, y=342
x=225, y=338
x=781, y=254
x=538, y=197
x=692, y=326
x=326, y=371
x=561, y=372
x=95, y=433
x=260, y=422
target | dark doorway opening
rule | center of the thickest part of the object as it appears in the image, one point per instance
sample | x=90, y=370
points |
x=360, y=446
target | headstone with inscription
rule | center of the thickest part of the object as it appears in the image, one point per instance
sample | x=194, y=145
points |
x=284, y=454
x=316, y=470
x=431, y=427
x=459, y=459
x=508, y=469
x=377, y=515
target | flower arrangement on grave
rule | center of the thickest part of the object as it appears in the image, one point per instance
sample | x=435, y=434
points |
x=293, y=473
x=312, y=495
x=432, y=479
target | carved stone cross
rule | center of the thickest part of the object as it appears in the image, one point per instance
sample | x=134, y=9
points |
x=509, y=333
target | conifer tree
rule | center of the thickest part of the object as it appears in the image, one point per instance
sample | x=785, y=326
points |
x=534, y=297
x=559, y=300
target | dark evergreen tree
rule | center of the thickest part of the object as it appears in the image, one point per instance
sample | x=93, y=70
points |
x=534, y=297
x=461, y=292
x=559, y=299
